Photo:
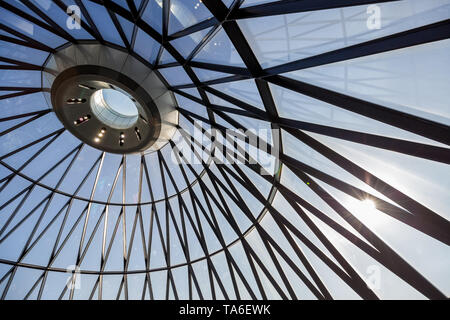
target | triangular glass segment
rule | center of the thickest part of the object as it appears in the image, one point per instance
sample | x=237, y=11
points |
x=175, y=76
x=4, y=33
x=184, y=14
x=220, y=50
x=389, y=79
x=103, y=20
x=166, y=57
x=191, y=106
x=153, y=14
x=23, y=7
x=137, y=4
x=185, y=45
x=127, y=27
x=280, y=39
x=146, y=46
x=206, y=75
x=30, y=29
x=244, y=90
x=192, y=91
x=52, y=10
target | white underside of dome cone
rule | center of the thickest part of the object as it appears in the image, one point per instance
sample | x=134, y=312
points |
x=117, y=60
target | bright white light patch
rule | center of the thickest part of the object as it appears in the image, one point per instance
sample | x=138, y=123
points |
x=368, y=205
x=114, y=108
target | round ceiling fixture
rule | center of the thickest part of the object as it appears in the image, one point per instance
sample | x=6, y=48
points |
x=109, y=99
x=114, y=108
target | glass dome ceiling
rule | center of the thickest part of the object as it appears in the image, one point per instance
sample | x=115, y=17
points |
x=349, y=201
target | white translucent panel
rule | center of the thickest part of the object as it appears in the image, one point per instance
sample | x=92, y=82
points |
x=221, y=102
x=184, y=14
x=219, y=50
x=306, y=155
x=336, y=286
x=412, y=80
x=427, y=256
x=270, y=226
x=283, y=38
x=103, y=21
x=384, y=283
x=244, y=90
x=146, y=46
x=262, y=130
x=295, y=106
x=185, y=45
x=88, y=283
x=206, y=75
x=400, y=171
x=175, y=76
x=427, y=182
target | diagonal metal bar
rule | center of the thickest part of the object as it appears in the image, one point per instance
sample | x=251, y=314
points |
x=423, y=127
x=417, y=36
x=295, y=6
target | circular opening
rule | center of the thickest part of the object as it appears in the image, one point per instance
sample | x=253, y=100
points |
x=114, y=108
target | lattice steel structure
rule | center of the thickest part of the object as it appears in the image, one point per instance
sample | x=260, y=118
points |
x=353, y=204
